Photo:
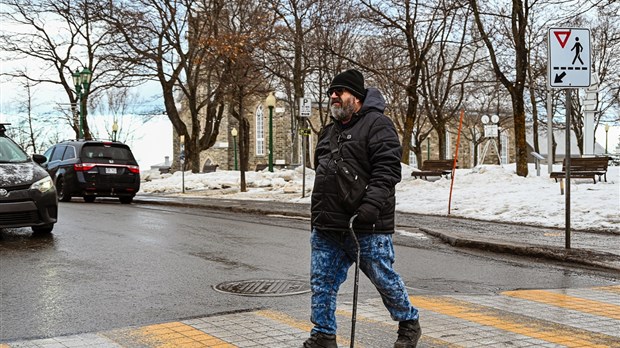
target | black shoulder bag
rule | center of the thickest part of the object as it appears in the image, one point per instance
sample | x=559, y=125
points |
x=350, y=176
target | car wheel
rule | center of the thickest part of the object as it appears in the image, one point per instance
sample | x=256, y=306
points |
x=125, y=200
x=89, y=199
x=46, y=229
x=60, y=190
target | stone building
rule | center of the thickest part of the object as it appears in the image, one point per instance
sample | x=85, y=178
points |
x=223, y=152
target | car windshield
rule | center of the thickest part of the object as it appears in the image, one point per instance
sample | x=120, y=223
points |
x=11, y=152
x=105, y=153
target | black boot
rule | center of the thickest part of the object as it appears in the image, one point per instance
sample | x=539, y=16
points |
x=409, y=333
x=321, y=340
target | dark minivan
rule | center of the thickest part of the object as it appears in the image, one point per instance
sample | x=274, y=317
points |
x=91, y=169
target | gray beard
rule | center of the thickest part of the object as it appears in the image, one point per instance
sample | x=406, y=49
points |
x=343, y=112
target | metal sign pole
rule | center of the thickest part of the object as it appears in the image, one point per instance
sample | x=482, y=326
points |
x=567, y=166
x=549, y=130
x=303, y=185
x=305, y=111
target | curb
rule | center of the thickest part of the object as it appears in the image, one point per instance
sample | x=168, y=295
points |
x=580, y=256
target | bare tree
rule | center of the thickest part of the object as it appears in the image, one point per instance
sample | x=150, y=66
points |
x=171, y=41
x=513, y=77
x=121, y=106
x=61, y=36
x=246, y=25
x=446, y=71
x=28, y=129
x=289, y=57
x=411, y=28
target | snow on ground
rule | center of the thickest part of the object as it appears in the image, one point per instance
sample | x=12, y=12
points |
x=491, y=193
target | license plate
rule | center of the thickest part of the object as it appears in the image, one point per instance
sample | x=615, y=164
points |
x=110, y=170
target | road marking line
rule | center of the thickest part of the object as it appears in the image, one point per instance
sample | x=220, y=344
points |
x=569, y=302
x=613, y=288
x=523, y=325
x=175, y=334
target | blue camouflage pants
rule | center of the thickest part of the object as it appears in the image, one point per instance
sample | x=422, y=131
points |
x=333, y=253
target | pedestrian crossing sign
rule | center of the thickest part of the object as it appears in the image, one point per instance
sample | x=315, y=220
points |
x=569, y=61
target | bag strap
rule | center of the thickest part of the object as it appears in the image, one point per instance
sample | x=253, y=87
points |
x=333, y=143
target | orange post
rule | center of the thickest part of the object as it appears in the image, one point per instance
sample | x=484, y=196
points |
x=456, y=155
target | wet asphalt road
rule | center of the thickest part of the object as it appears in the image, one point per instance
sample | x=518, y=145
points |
x=109, y=265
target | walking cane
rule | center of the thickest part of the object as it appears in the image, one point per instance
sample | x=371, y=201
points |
x=357, y=279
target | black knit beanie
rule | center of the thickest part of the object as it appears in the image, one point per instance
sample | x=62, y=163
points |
x=352, y=80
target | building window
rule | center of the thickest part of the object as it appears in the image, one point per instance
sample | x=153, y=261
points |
x=260, y=131
x=504, y=151
x=413, y=160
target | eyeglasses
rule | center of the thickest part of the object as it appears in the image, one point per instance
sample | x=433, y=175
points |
x=338, y=91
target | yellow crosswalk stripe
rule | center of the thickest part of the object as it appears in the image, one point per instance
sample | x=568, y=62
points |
x=174, y=334
x=614, y=289
x=522, y=325
x=569, y=302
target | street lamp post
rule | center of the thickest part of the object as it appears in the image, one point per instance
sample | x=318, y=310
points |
x=81, y=81
x=182, y=160
x=271, y=103
x=606, y=137
x=114, y=130
x=234, y=133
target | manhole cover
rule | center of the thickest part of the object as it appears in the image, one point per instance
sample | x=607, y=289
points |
x=264, y=287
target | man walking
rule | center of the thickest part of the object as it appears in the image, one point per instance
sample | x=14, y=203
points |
x=365, y=135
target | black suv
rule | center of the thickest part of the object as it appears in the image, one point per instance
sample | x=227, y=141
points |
x=90, y=169
x=27, y=194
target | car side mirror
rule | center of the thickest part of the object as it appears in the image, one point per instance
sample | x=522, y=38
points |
x=40, y=159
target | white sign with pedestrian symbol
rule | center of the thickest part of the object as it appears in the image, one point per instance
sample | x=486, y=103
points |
x=305, y=107
x=569, y=64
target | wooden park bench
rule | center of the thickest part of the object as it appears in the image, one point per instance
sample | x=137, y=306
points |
x=434, y=168
x=584, y=168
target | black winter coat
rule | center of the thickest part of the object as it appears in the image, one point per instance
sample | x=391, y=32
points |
x=371, y=139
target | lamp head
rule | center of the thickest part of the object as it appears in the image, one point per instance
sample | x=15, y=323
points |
x=234, y=132
x=271, y=100
x=115, y=127
x=86, y=75
x=606, y=127
x=76, y=79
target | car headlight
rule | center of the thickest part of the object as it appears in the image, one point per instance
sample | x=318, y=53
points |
x=43, y=185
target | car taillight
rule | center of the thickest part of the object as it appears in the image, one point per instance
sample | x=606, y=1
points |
x=83, y=167
x=134, y=169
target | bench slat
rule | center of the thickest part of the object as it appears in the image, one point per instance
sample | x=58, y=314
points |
x=434, y=168
x=583, y=168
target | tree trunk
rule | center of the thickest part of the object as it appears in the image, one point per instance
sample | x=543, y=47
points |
x=520, y=139
x=441, y=140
